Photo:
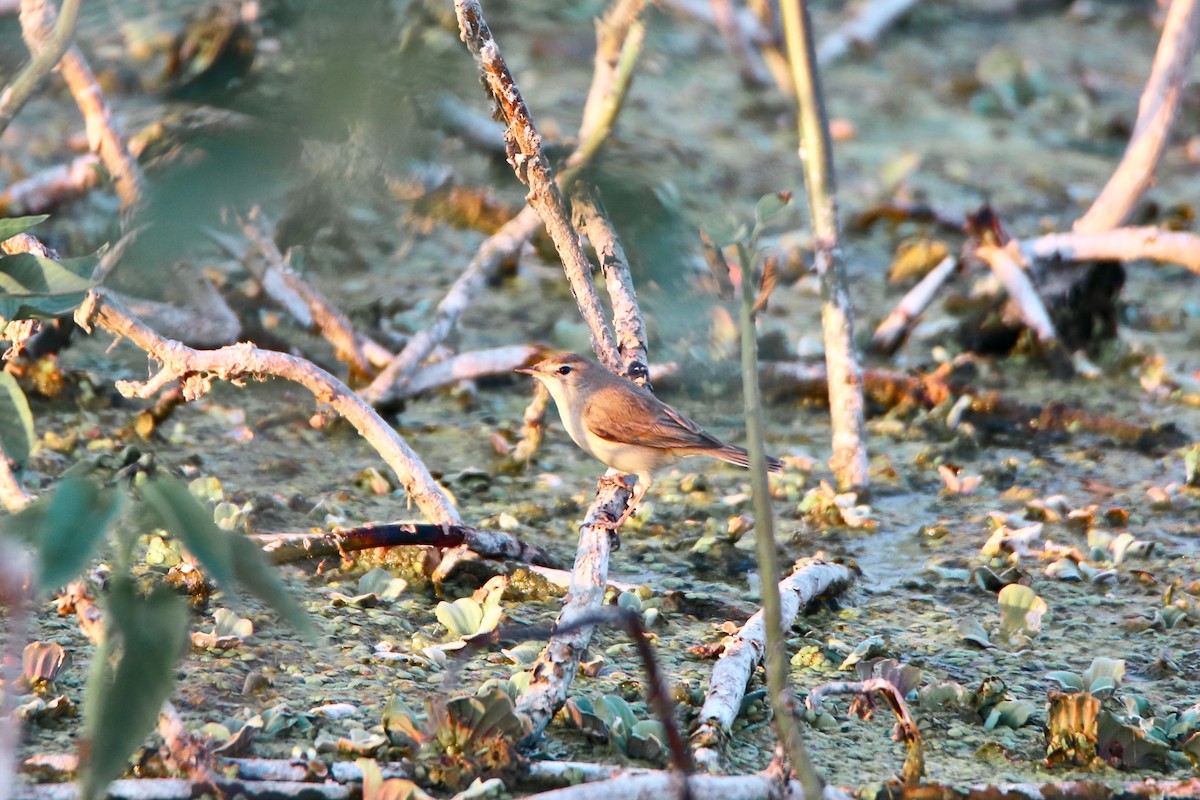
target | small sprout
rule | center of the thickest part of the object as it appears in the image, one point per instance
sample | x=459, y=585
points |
x=956, y=483
x=524, y=654
x=1021, y=612
x=1064, y=569
x=1019, y=542
x=646, y=741
x=630, y=601
x=1100, y=679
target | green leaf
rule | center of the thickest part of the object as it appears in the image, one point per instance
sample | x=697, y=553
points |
x=11, y=226
x=124, y=699
x=16, y=420
x=770, y=206
x=175, y=509
x=77, y=515
x=724, y=229
x=462, y=617
x=261, y=578
x=33, y=287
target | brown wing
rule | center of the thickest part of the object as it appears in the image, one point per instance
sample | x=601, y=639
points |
x=618, y=414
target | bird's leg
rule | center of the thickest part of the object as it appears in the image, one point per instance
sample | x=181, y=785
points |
x=637, y=489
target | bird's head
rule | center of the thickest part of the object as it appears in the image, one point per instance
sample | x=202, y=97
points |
x=566, y=375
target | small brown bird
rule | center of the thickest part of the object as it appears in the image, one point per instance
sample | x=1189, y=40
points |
x=623, y=424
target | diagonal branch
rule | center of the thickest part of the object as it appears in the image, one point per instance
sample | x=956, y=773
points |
x=17, y=93
x=1156, y=113
x=196, y=369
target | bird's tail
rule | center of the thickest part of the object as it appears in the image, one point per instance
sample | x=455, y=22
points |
x=733, y=454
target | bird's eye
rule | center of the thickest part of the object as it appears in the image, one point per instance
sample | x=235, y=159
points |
x=564, y=370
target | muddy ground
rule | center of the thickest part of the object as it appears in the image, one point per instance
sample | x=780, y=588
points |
x=331, y=96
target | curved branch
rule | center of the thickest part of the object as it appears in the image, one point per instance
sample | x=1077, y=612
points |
x=195, y=370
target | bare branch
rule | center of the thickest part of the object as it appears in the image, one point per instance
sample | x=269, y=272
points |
x=532, y=168
x=196, y=369
x=870, y=20
x=14, y=96
x=896, y=326
x=37, y=26
x=1121, y=244
x=1156, y=113
x=1020, y=289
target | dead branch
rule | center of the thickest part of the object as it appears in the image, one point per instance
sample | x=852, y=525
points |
x=285, y=548
x=846, y=412
x=14, y=96
x=558, y=663
x=471, y=366
x=49, y=188
x=1120, y=244
x=896, y=326
x=533, y=426
x=907, y=730
x=744, y=651
x=862, y=31
x=391, y=382
x=201, y=318
x=104, y=139
x=627, y=316
x=195, y=370
x=1003, y=262
x=618, y=30
x=890, y=389
x=524, y=145
x=306, y=304
x=1156, y=113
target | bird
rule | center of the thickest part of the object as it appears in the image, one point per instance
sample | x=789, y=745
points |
x=624, y=425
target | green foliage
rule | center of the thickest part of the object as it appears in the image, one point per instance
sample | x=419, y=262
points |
x=34, y=287
x=17, y=436
x=123, y=698
x=612, y=719
x=11, y=226
x=467, y=616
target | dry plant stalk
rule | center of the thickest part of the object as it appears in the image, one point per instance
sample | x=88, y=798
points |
x=37, y=26
x=196, y=369
x=849, y=461
x=1157, y=109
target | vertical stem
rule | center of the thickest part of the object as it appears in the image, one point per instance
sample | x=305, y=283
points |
x=768, y=561
x=849, y=460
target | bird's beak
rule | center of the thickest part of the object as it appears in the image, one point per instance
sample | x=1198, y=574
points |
x=526, y=370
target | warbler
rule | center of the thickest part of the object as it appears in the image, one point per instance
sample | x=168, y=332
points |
x=623, y=425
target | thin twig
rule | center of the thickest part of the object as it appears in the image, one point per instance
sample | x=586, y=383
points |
x=1021, y=291
x=16, y=572
x=609, y=86
x=392, y=381
x=17, y=93
x=282, y=283
x=37, y=26
x=470, y=366
x=1156, y=113
x=895, y=327
x=862, y=31
x=849, y=460
x=196, y=369
x=533, y=168
x=627, y=316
